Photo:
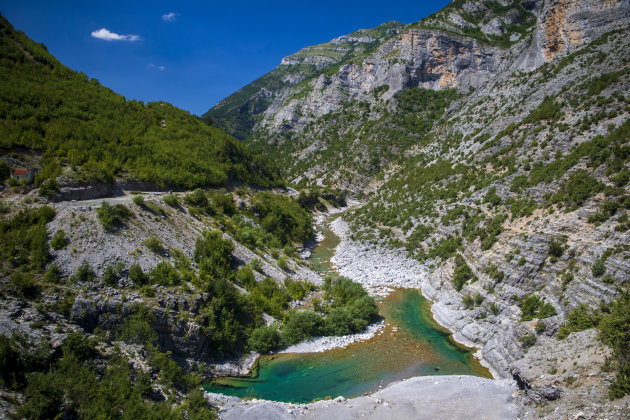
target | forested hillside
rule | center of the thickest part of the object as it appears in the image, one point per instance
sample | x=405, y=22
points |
x=75, y=122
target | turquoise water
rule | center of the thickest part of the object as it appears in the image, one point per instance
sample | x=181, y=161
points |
x=417, y=347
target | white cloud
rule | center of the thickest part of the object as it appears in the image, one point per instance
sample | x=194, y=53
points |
x=106, y=35
x=170, y=17
x=152, y=66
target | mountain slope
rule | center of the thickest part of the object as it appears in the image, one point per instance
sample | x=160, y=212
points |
x=240, y=112
x=303, y=120
x=74, y=121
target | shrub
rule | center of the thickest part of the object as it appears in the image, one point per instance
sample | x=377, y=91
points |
x=223, y=203
x=365, y=309
x=214, y=255
x=555, y=248
x=164, y=274
x=289, y=250
x=352, y=318
x=110, y=277
x=148, y=205
x=528, y=340
x=59, y=240
x=579, y=319
x=84, y=273
x=171, y=200
x=11, y=366
x=580, y=186
x=245, y=276
x=264, y=339
x=462, y=273
x=282, y=263
x=155, y=245
x=24, y=284
x=136, y=329
x=494, y=272
x=43, y=398
x=136, y=275
x=446, y=248
x=492, y=197
x=479, y=299
x=268, y=296
x=297, y=289
x=78, y=345
x=197, y=198
x=548, y=109
x=339, y=321
x=138, y=200
x=52, y=274
x=256, y=264
x=522, y=208
x=24, y=240
x=518, y=183
x=170, y=373
x=494, y=308
x=468, y=301
x=613, y=331
x=113, y=216
x=533, y=307
x=283, y=217
x=39, y=247
x=598, y=268
x=302, y=325
x=48, y=188
x=5, y=171
x=147, y=291
x=621, y=179
x=342, y=290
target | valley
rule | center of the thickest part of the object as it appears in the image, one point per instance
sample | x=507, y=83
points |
x=425, y=220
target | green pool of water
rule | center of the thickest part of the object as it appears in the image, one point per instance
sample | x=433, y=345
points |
x=411, y=345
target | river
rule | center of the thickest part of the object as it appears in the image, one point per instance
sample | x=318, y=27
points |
x=411, y=344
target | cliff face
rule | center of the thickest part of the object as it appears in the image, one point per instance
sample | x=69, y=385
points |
x=423, y=58
x=567, y=23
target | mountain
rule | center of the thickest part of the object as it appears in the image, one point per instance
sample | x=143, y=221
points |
x=490, y=147
x=240, y=112
x=308, y=123
x=86, y=132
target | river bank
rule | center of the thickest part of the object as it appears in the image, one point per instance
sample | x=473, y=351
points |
x=320, y=344
x=424, y=397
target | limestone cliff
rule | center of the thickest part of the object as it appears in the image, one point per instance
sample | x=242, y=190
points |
x=435, y=53
x=567, y=23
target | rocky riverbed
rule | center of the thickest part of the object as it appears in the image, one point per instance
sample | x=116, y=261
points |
x=320, y=344
x=426, y=397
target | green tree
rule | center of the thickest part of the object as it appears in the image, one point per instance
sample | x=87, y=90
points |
x=302, y=325
x=214, y=255
x=5, y=171
x=264, y=339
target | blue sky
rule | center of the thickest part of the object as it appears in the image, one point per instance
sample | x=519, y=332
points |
x=192, y=54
